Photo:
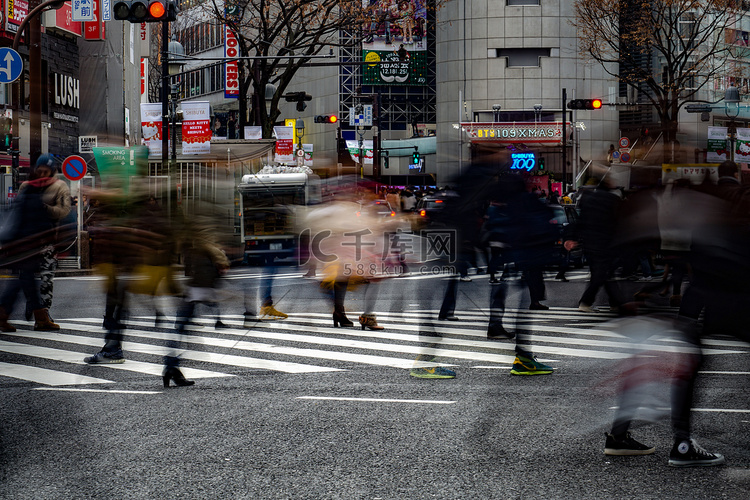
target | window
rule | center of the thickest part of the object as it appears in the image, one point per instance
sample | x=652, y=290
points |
x=514, y=3
x=522, y=57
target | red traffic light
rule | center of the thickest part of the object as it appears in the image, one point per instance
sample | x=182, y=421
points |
x=326, y=119
x=145, y=11
x=585, y=104
x=156, y=9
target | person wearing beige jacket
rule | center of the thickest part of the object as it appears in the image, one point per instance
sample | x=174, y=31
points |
x=42, y=202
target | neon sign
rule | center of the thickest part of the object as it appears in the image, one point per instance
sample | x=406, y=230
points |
x=523, y=161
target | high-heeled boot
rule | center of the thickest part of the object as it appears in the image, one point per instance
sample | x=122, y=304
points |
x=339, y=318
x=42, y=321
x=4, y=325
x=174, y=373
x=370, y=322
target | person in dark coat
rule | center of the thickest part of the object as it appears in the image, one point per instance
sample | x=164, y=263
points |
x=596, y=228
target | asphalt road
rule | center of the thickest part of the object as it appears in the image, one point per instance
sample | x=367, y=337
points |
x=297, y=409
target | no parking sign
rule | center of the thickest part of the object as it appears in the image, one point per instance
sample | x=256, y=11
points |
x=74, y=168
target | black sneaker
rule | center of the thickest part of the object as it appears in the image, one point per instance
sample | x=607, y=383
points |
x=687, y=453
x=625, y=446
x=105, y=357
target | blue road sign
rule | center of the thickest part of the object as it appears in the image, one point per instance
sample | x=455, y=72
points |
x=11, y=65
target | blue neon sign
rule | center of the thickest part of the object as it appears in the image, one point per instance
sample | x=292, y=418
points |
x=523, y=161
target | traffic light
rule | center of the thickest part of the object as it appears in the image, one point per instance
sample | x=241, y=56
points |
x=585, y=104
x=145, y=11
x=386, y=158
x=540, y=164
x=415, y=158
x=326, y=119
x=6, y=140
x=299, y=98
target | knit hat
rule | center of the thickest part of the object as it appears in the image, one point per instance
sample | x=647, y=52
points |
x=46, y=160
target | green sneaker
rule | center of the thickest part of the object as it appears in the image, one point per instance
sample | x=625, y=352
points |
x=529, y=366
x=434, y=372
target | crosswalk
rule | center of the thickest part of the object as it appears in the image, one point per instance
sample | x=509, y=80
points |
x=571, y=275
x=309, y=344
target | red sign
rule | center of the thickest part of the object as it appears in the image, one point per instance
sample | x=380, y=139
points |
x=144, y=75
x=625, y=157
x=94, y=30
x=74, y=167
x=624, y=142
x=540, y=181
x=231, y=70
x=196, y=127
x=15, y=12
x=63, y=20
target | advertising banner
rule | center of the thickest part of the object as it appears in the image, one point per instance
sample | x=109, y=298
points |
x=151, y=126
x=742, y=146
x=395, y=37
x=718, y=146
x=407, y=68
x=231, y=69
x=367, y=148
x=308, y=148
x=16, y=11
x=284, y=144
x=196, y=128
x=253, y=132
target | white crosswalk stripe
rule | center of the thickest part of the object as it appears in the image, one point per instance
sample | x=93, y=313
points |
x=309, y=344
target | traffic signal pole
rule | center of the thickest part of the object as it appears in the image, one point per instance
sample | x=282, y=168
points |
x=564, y=140
x=165, y=88
x=33, y=21
x=164, y=93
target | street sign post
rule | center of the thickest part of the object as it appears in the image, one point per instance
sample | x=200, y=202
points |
x=363, y=117
x=11, y=65
x=74, y=168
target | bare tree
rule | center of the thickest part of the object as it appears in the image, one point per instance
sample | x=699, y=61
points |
x=668, y=50
x=284, y=35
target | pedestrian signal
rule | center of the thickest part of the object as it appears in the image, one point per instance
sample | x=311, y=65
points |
x=145, y=11
x=326, y=119
x=415, y=158
x=585, y=104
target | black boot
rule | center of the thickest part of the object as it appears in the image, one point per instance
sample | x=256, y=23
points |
x=174, y=373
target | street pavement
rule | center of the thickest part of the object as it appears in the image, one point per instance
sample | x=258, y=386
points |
x=295, y=408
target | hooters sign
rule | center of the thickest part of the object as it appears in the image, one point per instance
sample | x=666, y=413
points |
x=231, y=69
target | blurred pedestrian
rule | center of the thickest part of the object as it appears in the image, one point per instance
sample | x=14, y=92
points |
x=530, y=236
x=207, y=263
x=597, y=227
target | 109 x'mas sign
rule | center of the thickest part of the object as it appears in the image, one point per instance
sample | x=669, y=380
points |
x=515, y=132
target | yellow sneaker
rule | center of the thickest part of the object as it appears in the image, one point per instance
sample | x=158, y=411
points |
x=271, y=311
